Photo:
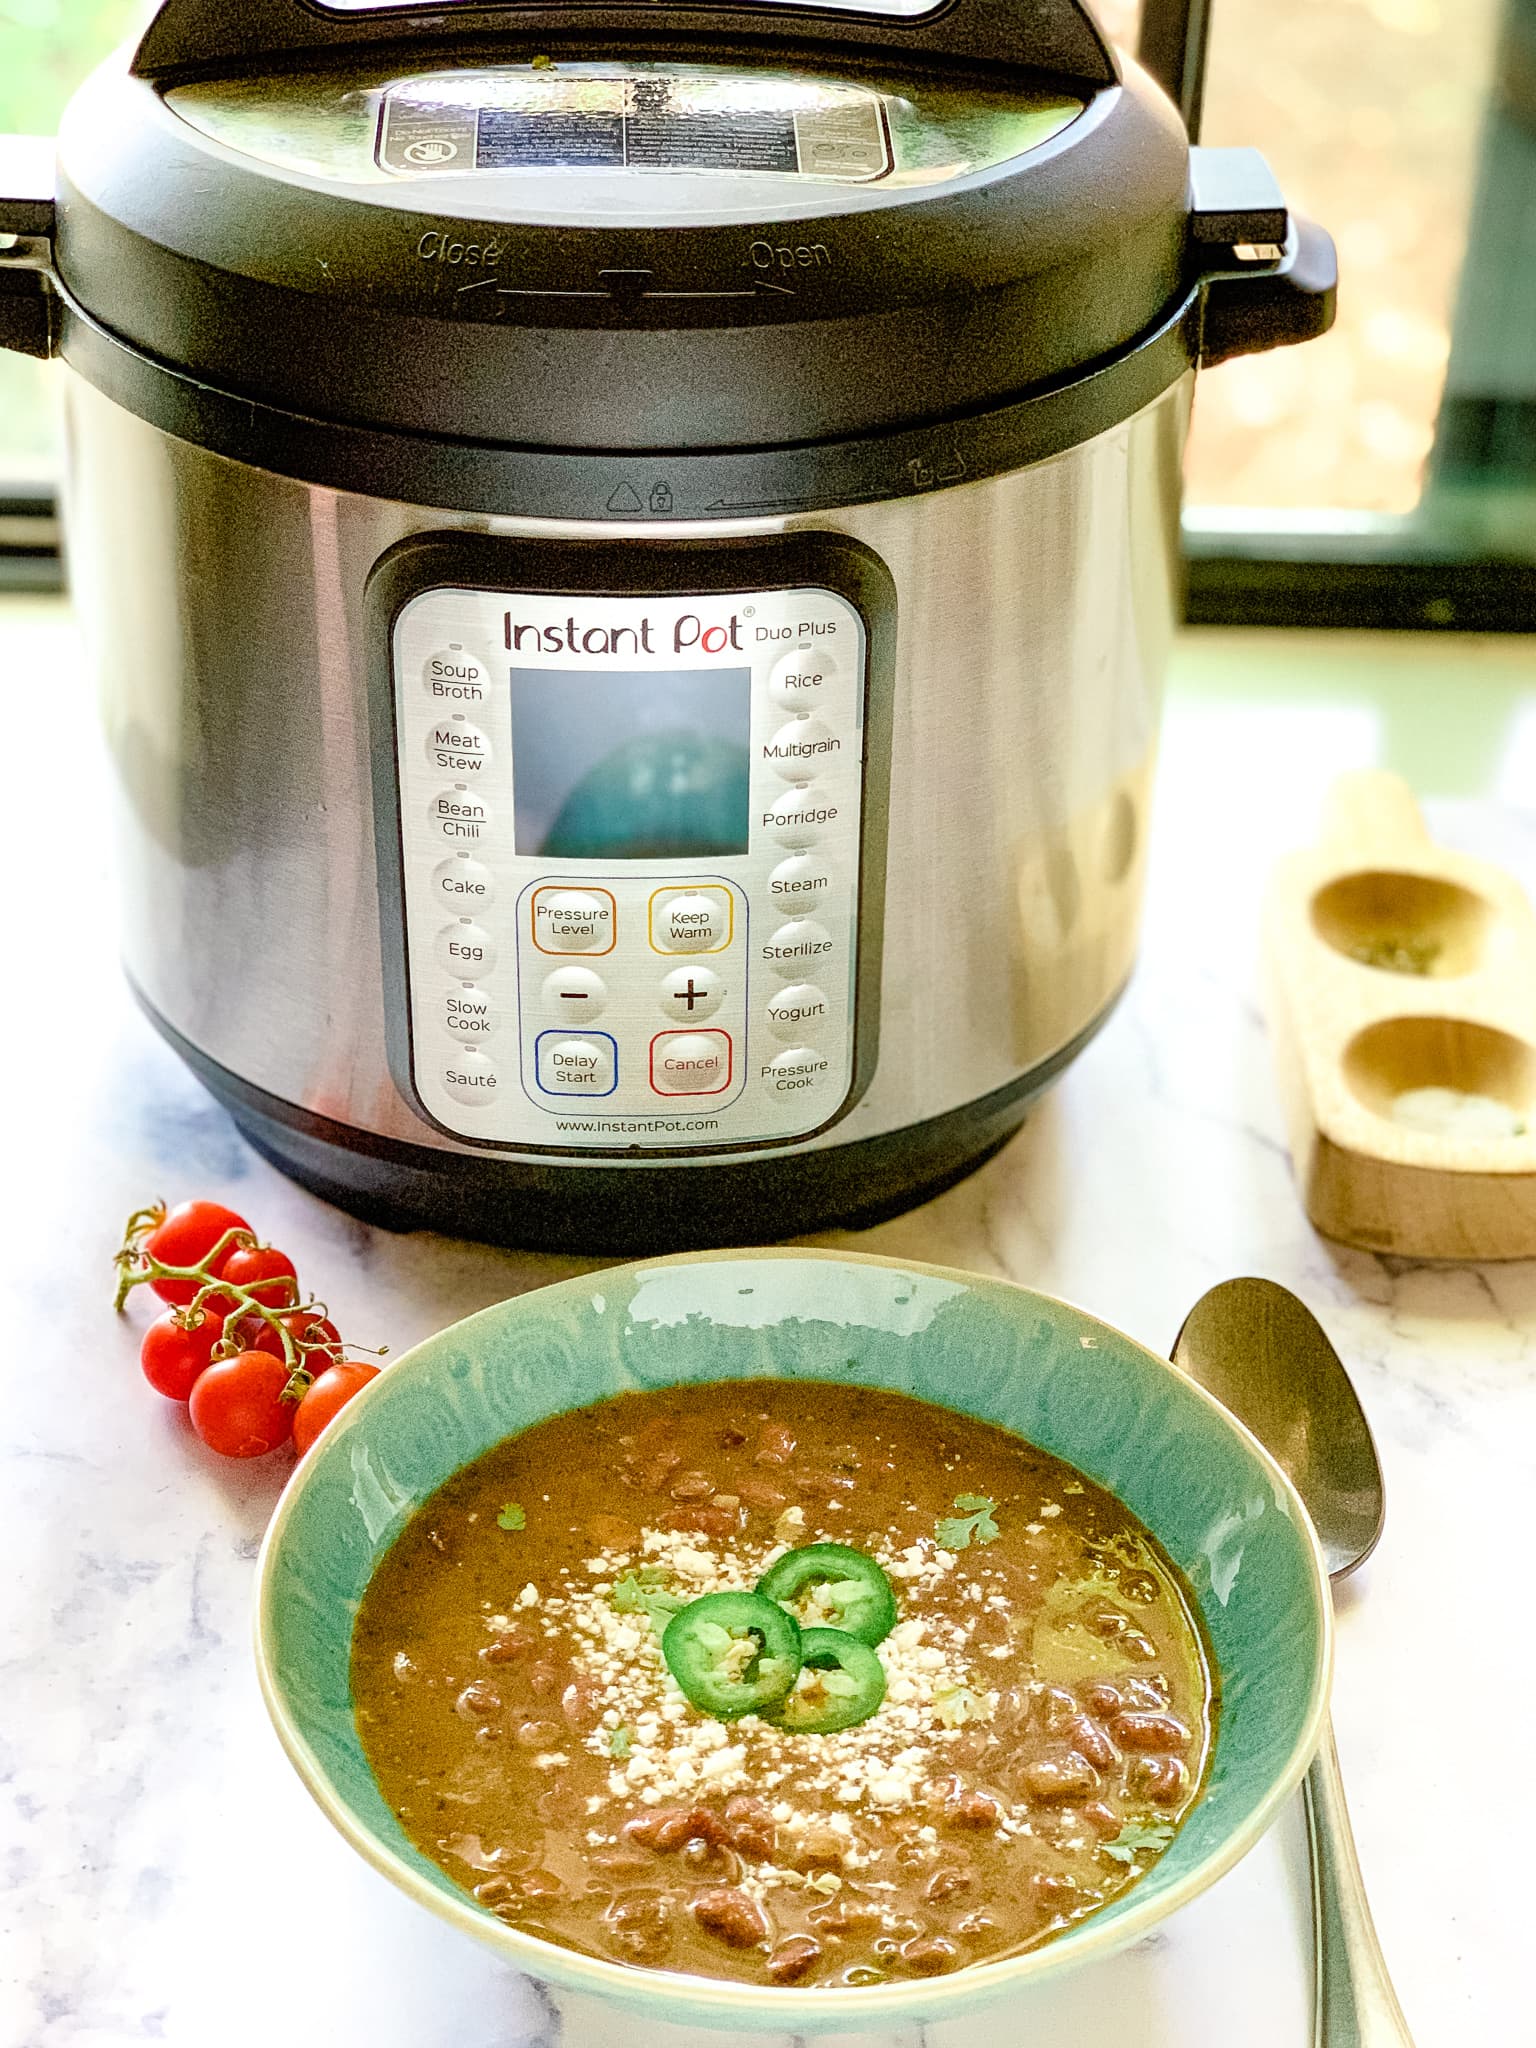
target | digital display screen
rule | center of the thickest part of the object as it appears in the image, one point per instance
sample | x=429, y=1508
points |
x=632, y=765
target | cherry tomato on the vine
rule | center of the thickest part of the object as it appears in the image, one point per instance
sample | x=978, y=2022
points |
x=237, y=1407
x=331, y=1392
x=186, y=1237
x=173, y=1356
x=264, y=1271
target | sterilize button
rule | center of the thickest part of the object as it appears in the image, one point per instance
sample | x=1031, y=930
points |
x=697, y=920
x=455, y=677
x=691, y=1063
x=463, y=884
x=691, y=994
x=465, y=950
x=569, y=1065
x=802, y=749
x=799, y=948
x=468, y=1014
x=795, y=1072
x=802, y=680
x=798, y=1012
x=573, y=920
x=470, y=1077
x=800, y=883
x=800, y=817
x=461, y=816
x=575, y=995
x=457, y=747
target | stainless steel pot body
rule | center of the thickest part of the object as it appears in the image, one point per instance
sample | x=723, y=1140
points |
x=1034, y=612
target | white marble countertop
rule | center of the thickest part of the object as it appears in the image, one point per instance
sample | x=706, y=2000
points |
x=166, y=1879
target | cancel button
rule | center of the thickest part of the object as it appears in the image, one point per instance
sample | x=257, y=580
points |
x=691, y=1063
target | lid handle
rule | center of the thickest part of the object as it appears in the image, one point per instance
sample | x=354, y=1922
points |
x=1060, y=37
x=1174, y=44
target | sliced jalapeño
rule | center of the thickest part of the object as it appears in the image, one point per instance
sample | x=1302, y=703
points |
x=733, y=1654
x=827, y=1585
x=841, y=1683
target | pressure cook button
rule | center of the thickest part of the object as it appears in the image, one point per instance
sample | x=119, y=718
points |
x=796, y=1071
x=575, y=995
x=698, y=920
x=799, y=883
x=463, y=884
x=455, y=677
x=798, y=948
x=800, y=817
x=470, y=1077
x=691, y=993
x=461, y=816
x=574, y=920
x=457, y=747
x=465, y=950
x=802, y=749
x=468, y=1014
x=691, y=1063
x=802, y=680
x=798, y=1012
x=577, y=1066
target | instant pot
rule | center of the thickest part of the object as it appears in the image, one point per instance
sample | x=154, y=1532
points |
x=630, y=551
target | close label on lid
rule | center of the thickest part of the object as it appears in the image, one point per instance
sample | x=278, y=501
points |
x=498, y=121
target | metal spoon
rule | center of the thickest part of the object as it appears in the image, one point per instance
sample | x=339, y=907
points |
x=1267, y=1359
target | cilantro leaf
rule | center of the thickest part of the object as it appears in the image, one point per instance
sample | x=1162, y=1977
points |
x=974, y=1523
x=619, y=1743
x=1138, y=1837
x=645, y=1592
x=511, y=1517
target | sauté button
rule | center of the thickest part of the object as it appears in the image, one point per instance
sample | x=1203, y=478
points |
x=691, y=993
x=693, y=921
x=575, y=995
x=463, y=884
x=801, y=947
x=466, y=950
x=800, y=817
x=470, y=1077
x=461, y=816
x=457, y=747
x=573, y=920
x=796, y=1071
x=691, y=1063
x=577, y=1066
x=455, y=677
x=468, y=1014
x=802, y=680
x=802, y=749
x=799, y=883
x=798, y=1012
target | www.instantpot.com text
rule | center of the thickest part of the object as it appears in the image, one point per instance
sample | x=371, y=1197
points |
x=637, y=1125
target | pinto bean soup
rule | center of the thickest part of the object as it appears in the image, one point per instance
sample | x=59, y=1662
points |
x=943, y=1749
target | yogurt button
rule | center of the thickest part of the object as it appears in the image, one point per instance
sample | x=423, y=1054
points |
x=468, y=1014
x=463, y=884
x=575, y=995
x=802, y=681
x=798, y=948
x=576, y=1066
x=461, y=816
x=800, y=817
x=802, y=749
x=800, y=883
x=455, y=677
x=799, y=1013
x=465, y=950
x=457, y=747
x=470, y=1077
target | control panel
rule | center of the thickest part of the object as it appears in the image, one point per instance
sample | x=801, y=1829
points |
x=631, y=837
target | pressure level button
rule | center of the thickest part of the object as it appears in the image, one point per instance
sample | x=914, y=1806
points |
x=455, y=677
x=574, y=920
x=802, y=681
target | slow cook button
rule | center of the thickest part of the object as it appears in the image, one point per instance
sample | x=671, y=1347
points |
x=802, y=680
x=468, y=1014
x=577, y=1066
x=573, y=920
x=461, y=816
x=463, y=884
x=800, y=817
x=466, y=950
x=797, y=948
x=801, y=749
x=455, y=677
x=799, y=883
x=691, y=1063
x=798, y=1012
x=457, y=747
x=795, y=1071
x=470, y=1077
x=694, y=921
x=575, y=995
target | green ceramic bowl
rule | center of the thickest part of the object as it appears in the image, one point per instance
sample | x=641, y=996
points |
x=1219, y=1505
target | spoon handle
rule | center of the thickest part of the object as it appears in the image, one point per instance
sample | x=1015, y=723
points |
x=1354, y=2004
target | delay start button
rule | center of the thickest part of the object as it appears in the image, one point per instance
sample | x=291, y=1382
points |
x=691, y=1063
x=697, y=920
x=565, y=1065
x=574, y=920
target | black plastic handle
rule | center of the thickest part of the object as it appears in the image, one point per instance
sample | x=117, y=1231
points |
x=1060, y=37
x=1174, y=44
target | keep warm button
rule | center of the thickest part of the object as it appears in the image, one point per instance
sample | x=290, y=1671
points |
x=798, y=1014
x=691, y=1063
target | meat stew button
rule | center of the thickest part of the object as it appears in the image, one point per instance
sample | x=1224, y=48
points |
x=798, y=1013
x=470, y=1077
x=457, y=747
x=577, y=1066
x=691, y=1063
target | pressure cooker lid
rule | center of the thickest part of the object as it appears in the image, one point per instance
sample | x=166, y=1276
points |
x=624, y=225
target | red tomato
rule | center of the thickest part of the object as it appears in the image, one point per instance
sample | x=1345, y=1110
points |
x=185, y=1238
x=236, y=1405
x=257, y=1334
x=264, y=1270
x=330, y=1393
x=173, y=1356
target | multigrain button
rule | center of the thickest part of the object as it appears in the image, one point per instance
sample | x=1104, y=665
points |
x=463, y=884
x=455, y=677
x=469, y=1014
x=573, y=920
x=800, y=817
x=691, y=1063
x=699, y=920
x=798, y=1012
x=568, y=1065
x=457, y=747
x=802, y=680
x=461, y=816
x=799, y=883
x=691, y=994
x=470, y=1077
x=794, y=1071
x=798, y=948
x=466, y=950
x=575, y=995
x=801, y=749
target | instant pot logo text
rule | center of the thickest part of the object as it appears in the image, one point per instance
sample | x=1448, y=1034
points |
x=575, y=636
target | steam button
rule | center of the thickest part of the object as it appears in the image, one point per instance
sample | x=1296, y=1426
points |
x=799, y=884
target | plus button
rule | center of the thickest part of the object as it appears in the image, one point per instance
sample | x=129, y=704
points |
x=690, y=995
